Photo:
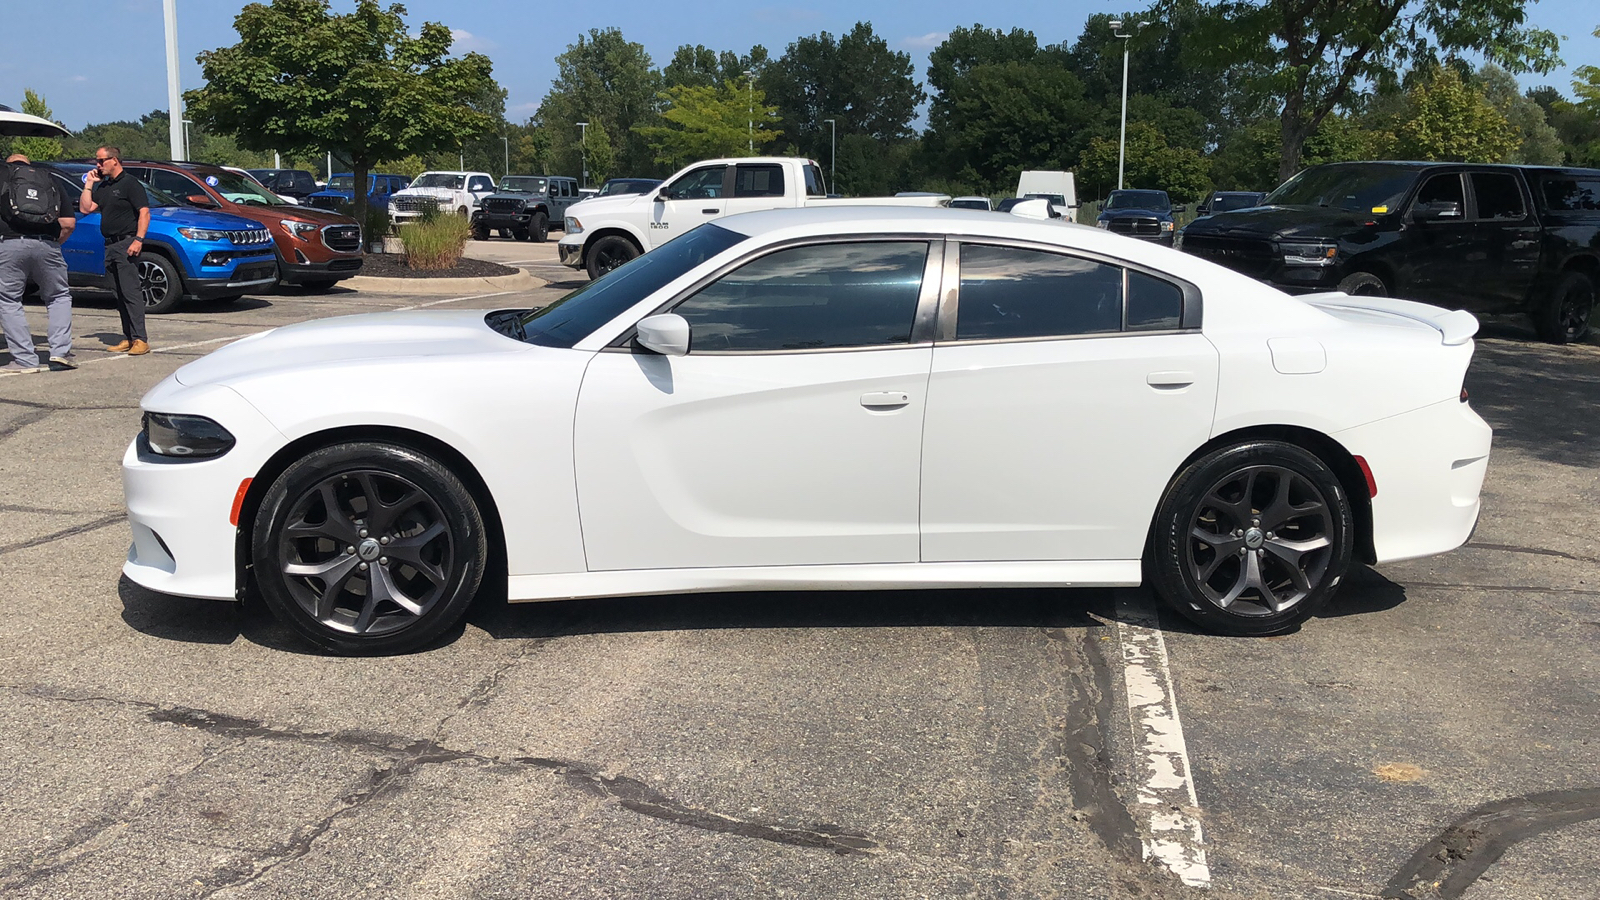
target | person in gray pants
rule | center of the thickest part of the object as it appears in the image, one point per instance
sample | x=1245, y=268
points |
x=30, y=251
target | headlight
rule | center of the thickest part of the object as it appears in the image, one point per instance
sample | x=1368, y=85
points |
x=301, y=230
x=1308, y=254
x=185, y=437
x=1102, y=223
x=203, y=234
x=1166, y=226
x=571, y=225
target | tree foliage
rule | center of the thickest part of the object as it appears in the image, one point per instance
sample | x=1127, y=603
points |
x=1001, y=118
x=706, y=122
x=699, y=66
x=1447, y=119
x=1151, y=164
x=608, y=81
x=361, y=84
x=855, y=79
x=1538, y=142
x=35, y=148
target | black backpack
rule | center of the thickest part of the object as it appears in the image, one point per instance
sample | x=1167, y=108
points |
x=29, y=198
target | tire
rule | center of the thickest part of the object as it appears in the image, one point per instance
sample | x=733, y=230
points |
x=1363, y=284
x=1562, y=317
x=521, y=234
x=480, y=231
x=461, y=211
x=160, y=283
x=539, y=228
x=327, y=593
x=319, y=285
x=608, y=253
x=1252, y=539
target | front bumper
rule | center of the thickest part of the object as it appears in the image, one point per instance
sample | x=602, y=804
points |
x=571, y=254
x=241, y=275
x=1429, y=465
x=303, y=269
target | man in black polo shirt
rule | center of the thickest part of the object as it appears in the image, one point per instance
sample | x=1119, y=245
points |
x=31, y=250
x=124, y=217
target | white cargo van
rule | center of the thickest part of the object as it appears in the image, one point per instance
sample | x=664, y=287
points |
x=1056, y=187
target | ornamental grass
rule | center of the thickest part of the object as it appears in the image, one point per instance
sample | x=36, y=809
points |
x=435, y=241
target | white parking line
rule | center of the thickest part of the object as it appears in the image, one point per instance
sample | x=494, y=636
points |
x=1167, y=811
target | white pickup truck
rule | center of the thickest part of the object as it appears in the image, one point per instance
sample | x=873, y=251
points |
x=602, y=233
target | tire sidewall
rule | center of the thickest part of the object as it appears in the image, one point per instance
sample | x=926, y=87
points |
x=1178, y=586
x=454, y=500
x=595, y=250
x=174, y=283
x=1362, y=284
x=539, y=230
x=1548, y=319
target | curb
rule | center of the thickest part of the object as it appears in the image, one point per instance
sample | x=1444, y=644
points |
x=521, y=281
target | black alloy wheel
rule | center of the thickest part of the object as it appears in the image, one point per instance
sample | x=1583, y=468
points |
x=158, y=283
x=1363, y=284
x=1564, y=317
x=610, y=252
x=1252, y=539
x=539, y=228
x=368, y=548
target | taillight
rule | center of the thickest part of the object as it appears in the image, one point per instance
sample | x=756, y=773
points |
x=1463, y=395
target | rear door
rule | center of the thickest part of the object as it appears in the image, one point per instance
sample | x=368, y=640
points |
x=84, y=250
x=1506, y=236
x=758, y=186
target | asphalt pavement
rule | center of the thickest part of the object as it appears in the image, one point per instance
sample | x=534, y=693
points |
x=1435, y=733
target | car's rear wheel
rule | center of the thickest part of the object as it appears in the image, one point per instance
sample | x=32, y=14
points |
x=1563, y=317
x=1252, y=538
x=159, y=282
x=368, y=548
x=608, y=253
x=1364, y=284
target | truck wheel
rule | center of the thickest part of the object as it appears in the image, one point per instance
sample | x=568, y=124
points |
x=1563, y=315
x=540, y=228
x=1363, y=284
x=608, y=253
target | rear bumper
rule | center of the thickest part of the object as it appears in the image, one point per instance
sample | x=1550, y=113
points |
x=1429, y=465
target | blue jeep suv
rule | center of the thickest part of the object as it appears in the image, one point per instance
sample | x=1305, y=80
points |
x=189, y=253
x=341, y=189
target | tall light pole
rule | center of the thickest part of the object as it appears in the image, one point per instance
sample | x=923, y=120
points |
x=583, y=141
x=507, y=139
x=1122, y=142
x=175, y=137
x=833, y=152
x=750, y=123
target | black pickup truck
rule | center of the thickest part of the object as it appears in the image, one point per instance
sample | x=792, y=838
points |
x=1485, y=238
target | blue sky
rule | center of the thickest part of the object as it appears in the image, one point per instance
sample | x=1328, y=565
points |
x=128, y=77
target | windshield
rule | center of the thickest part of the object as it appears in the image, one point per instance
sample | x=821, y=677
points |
x=346, y=183
x=241, y=189
x=1156, y=200
x=969, y=204
x=1378, y=188
x=1225, y=202
x=573, y=317
x=522, y=184
x=439, y=180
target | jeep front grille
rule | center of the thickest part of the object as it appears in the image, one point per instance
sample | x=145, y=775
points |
x=249, y=238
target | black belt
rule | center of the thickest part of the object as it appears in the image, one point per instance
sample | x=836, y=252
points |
x=26, y=237
x=120, y=237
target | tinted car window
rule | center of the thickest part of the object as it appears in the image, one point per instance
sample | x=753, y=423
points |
x=758, y=181
x=814, y=182
x=700, y=184
x=859, y=294
x=1442, y=189
x=1153, y=304
x=1566, y=193
x=1009, y=292
x=1498, y=195
x=173, y=183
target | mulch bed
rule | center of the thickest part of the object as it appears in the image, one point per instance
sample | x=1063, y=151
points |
x=393, y=265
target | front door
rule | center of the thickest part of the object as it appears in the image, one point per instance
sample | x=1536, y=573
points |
x=1431, y=260
x=694, y=198
x=1062, y=401
x=788, y=435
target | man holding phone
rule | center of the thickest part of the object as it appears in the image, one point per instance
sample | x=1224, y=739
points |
x=124, y=219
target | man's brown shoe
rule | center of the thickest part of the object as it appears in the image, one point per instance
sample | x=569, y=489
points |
x=139, y=348
x=123, y=347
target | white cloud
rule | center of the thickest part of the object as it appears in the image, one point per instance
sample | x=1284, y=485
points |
x=79, y=79
x=466, y=42
x=927, y=41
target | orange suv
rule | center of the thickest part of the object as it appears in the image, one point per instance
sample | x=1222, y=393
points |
x=316, y=248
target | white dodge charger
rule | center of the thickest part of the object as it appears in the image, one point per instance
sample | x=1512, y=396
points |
x=819, y=399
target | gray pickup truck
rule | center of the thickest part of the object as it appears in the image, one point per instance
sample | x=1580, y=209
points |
x=524, y=207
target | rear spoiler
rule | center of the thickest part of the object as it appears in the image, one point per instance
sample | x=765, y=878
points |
x=1454, y=326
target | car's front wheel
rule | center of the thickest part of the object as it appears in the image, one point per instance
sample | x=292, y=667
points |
x=368, y=547
x=608, y=253
x=1252, y=538
x=159, y=282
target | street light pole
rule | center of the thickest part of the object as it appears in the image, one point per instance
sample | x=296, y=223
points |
x=179, y=145
x=583, y=141
x=833, y=152
x=750, y=123
x=507, y=139
x=1122, y=142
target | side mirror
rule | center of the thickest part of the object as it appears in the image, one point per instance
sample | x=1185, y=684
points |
x=1436, y=211
x=663, y=195
x=1182, y=207
x=200, y=200
x=666, y=334
x=1101, y=205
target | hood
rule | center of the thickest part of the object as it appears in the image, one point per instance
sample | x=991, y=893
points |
x=441, y=193
x=312, y=214
x=192, y=217
x=1136, y=211
x=1281, y=222
x=604, y=206
x=338, y=342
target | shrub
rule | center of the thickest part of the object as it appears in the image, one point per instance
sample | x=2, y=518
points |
x=435, y=241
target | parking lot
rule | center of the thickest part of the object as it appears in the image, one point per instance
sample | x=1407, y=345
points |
x=1435, y=733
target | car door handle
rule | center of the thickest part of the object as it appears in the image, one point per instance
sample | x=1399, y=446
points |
x=1169, y=379
x=710, y=212
x=1523, y=245
x=885, y=399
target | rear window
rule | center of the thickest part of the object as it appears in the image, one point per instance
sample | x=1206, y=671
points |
x=1567, y=193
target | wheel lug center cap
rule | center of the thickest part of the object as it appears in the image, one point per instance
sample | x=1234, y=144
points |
x=369, y=550
x=1253, y=539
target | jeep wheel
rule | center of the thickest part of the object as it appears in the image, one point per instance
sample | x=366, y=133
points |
x=158, y=282
x=539, y=229
x=480, y=231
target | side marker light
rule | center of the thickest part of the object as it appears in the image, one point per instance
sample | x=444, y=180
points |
x=244, y=488
x=1366, y=471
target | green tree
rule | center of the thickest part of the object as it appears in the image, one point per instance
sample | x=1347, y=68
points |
x=855, y=80
x=1539, y=144
x=1151, y=163
x=303, y=79
x=699, y=66
x=705, y=122
x=1448, y=120
x=37, y=149
x=1312, y=55
x=1578, y=129
x=609, y=82
x=1587, y=86
x=999, y=119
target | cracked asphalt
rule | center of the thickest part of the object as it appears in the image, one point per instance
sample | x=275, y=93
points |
x=1436, y=733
